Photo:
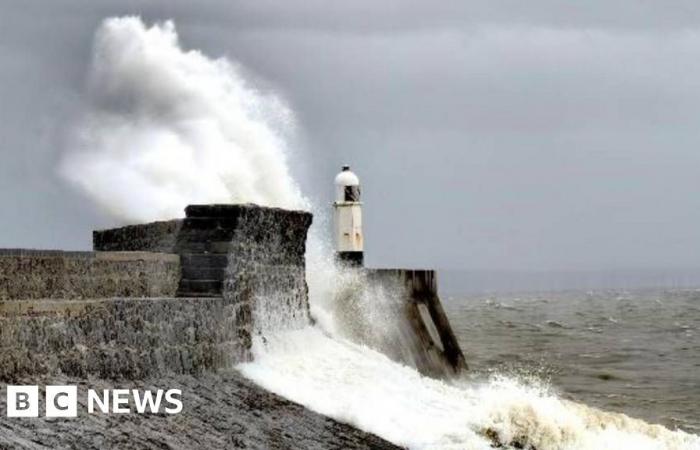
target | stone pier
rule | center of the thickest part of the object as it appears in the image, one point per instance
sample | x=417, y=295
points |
x=172, y=297
x=169, y=304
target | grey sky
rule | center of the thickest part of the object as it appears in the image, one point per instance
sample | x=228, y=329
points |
x=488, y=135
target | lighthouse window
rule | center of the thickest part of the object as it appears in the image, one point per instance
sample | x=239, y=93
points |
x=352, y=193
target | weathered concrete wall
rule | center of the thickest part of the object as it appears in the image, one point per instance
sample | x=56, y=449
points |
x=114, y=338
x=426, y=340
x=41, y=274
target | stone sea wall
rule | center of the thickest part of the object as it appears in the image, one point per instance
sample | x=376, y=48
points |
x=42, y=274
x=114, y=338
x=80, y=315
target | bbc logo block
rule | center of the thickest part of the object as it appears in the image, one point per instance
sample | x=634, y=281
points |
x=62, y=401
x=23, y=401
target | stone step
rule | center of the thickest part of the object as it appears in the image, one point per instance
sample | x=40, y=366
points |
x=184, y=294
x=197, y=272
x=203, y=260
x=200, y=286
x=204, y=247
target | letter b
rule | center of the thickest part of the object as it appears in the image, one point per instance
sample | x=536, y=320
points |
x=22, y=401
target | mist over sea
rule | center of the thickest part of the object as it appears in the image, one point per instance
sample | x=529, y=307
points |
x=631, y=351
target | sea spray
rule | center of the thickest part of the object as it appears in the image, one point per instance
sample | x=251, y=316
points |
x=334, y=368
x=355, y=384
x=167, y=127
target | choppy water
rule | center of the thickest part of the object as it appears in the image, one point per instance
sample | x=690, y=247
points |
x=633, y=352
x=320, y=367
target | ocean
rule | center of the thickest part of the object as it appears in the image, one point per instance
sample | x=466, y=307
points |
x=634, y=352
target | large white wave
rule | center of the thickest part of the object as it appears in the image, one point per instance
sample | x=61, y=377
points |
x=166, y=127
x=340, y=374
x=357, y=385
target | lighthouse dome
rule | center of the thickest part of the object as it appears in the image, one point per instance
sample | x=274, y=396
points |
x=347, y=178
x=347, y=186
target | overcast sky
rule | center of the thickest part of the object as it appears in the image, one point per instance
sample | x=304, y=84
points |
x=538, y=135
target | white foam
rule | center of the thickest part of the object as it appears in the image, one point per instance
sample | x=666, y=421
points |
x=331, y=369
x=360, y=386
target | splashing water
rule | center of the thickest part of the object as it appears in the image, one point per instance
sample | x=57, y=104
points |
x=329, y=369
x=355, y=384
x=168, y=127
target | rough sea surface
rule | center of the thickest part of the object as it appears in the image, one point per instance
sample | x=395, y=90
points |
x=635, y=352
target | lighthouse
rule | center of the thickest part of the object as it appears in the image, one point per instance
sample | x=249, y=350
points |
x=348, y=218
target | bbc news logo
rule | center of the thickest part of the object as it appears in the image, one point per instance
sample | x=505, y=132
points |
x=62, y=401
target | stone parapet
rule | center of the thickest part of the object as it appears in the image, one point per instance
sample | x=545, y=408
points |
x=150, y=237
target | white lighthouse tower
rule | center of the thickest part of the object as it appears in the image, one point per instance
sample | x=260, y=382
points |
x=348, y=218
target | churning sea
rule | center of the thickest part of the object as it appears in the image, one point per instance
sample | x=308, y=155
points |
x=635, y=352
